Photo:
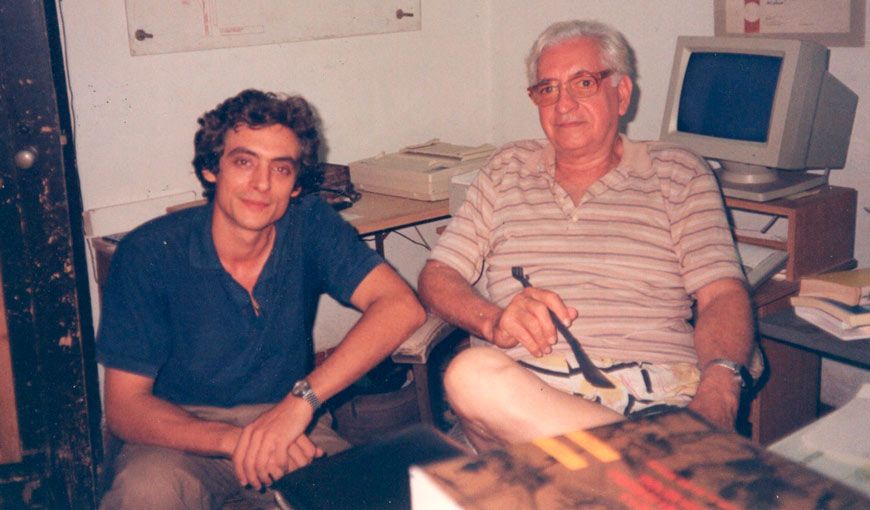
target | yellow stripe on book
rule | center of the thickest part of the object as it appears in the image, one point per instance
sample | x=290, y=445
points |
x=598, y=448
x=562, y=453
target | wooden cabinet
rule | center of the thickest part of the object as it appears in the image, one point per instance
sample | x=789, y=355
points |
x=821, y=229
x=821, y=238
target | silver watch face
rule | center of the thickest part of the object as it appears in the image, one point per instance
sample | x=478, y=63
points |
x=300, y=387
x=303, y=390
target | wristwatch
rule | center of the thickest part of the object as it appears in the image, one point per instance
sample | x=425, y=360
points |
x=303, y=390
x=740, y=372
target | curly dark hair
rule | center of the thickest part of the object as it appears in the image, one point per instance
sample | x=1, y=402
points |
x=256, y=108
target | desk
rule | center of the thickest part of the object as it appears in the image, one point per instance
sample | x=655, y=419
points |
x=377, y=213
x=821, y=238
x=380, y=214
x=793, y=350
x=786, y=327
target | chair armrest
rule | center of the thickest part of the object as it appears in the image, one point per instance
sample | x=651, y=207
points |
x=417, y=347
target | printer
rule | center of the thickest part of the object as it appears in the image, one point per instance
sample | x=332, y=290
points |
x=421, y=172
x=458, y=187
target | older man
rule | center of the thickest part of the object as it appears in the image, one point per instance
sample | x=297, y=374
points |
x=619, y=240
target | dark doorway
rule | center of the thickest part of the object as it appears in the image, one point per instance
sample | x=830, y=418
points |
x=50, y=449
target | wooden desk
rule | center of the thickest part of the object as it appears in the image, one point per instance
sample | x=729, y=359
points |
x=821, y=238
x=376, y=213
x=379, y=215
x=786, y=327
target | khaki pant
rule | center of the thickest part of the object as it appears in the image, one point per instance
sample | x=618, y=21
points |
x=151, y=477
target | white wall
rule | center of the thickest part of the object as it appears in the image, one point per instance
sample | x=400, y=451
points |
x=460, y=78
x=650, y=27
x=135, y=116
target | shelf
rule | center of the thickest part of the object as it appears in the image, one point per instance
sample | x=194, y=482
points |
x=821, y=229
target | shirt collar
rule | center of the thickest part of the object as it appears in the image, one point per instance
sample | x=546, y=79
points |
x=203, y=254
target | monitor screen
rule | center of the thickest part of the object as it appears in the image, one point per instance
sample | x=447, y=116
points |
x=728, y=95
x=765, y=110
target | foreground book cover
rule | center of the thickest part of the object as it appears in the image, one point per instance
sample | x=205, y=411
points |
x=672, y=460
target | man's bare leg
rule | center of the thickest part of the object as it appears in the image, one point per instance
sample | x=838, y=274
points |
x=499, y=402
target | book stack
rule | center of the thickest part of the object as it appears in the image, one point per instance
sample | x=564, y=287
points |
x=837, y=302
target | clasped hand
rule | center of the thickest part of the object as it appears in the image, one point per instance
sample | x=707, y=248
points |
x=526, y=321
x=275, y=444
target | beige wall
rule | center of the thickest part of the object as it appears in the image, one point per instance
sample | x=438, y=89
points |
x=460, y=78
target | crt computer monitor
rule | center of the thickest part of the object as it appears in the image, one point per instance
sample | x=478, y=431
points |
x=765, y=109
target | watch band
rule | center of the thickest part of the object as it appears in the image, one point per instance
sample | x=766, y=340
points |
x=740, y=372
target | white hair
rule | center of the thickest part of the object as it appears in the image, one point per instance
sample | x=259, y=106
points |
x=615, y=51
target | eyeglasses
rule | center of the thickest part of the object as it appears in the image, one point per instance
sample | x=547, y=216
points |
x=582, y=85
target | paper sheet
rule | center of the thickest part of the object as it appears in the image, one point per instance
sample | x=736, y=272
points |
x=843, y=434
x=837, y=445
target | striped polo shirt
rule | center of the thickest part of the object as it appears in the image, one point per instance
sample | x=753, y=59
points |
x=644, y=238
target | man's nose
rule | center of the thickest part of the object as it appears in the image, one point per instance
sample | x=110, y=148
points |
x=262, y=178
x=565, y=103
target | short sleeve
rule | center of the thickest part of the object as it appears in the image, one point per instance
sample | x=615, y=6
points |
x=134, y=330
x=702, y=237
x=342, y=260
x=465, y=243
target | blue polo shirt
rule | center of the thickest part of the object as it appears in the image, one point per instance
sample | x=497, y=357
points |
x=170, y=311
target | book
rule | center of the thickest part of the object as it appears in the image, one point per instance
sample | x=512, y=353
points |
x=848, y=287
x=850, y=316
x=760, y=262
x=831, y=324
x=670, y=460
x=370, y=476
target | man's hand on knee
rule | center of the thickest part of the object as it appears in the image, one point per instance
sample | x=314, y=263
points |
x=274, y=444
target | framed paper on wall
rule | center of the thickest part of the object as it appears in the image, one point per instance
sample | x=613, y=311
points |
x=167, y=26
x=829, y=22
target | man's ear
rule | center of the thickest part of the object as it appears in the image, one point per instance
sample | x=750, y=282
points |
x=623, y=90
x=209, y=176
x=297, y=189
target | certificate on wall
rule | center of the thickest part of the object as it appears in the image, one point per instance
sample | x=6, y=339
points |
x=165, y=26
x=830, y=22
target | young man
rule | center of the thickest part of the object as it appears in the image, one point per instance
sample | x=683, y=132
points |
x=618, y=238
x=205, y=333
